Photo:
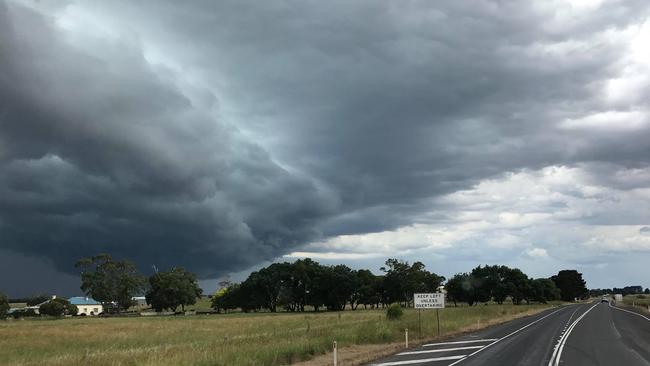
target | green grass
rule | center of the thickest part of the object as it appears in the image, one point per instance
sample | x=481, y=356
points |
x=202, y=304
x=234, y=339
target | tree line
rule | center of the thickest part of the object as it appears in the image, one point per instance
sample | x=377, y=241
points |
x=292, y=286
x=498, y=283
x=114, y=283
x=627, y=290
x=307, y=284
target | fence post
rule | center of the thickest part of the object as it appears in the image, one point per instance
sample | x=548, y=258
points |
x=406, y=337
x=334, y=351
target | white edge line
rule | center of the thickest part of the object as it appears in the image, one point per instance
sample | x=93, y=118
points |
x=461, y=342
x=438, y=350
x=631, y=312
x=502, y=338
x=423, y=360
x=566, y=334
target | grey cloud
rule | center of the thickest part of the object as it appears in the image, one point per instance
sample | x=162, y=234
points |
x=107, y=156
x=331, y=118
x=26, y=276
x=393, y=105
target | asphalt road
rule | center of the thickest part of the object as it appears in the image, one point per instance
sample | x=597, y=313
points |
x=582, y=335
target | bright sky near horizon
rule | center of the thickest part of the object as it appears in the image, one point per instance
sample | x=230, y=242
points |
x=223, y=135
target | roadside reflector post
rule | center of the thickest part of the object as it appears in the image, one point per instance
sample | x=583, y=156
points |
x=406, y=337
x=334, y=352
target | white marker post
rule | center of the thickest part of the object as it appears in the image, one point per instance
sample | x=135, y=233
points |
x=406, y=337
x=334, y=352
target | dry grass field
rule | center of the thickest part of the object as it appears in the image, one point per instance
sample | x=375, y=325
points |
x=641, y=301
x=234, y=339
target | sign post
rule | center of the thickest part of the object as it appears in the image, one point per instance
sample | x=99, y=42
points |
x=429, y=301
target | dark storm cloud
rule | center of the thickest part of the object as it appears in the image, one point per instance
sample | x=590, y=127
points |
x=349, y=117
x=104, y=156
x=393, y=104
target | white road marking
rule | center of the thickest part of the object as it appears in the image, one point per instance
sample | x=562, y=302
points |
x=500, y=339
x=439, y=350
x=423, y=360
x=557, y=352
x=460, y=342
x=631, y=312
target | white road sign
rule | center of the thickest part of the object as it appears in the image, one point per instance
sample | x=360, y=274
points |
x=429, y=301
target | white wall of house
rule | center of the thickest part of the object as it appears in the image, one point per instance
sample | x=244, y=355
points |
x=89, y=309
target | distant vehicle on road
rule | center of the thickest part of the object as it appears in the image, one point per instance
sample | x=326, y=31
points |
x=605, y=299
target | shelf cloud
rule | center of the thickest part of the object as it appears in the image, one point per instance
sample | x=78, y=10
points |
x=221, y=135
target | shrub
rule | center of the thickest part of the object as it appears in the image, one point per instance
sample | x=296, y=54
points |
x=4, y=306
x=52, y=308
x=394, y=312
x=58, y=307
x=23, y=313
x=38, y=299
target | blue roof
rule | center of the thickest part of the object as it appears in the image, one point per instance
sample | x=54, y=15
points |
x=80, y=300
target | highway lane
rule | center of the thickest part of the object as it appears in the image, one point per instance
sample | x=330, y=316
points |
x=609, y=336
x=582, y=334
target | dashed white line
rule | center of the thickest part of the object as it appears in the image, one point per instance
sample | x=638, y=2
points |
x=460, y=342
x=422, y=360
x=439, y=350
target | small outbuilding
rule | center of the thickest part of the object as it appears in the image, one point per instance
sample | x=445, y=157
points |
x=87, y=305
x=139, y=300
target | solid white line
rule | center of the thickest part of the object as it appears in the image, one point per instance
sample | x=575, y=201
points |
x=567, y=325
x=461, y=342
x=423, y=360
x=439, y=350
x=500, y=339
x=631, y=312
x=565, y=336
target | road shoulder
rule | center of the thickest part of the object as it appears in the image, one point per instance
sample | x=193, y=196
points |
x=361, y=354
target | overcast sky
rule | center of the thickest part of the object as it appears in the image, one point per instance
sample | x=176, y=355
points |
x=224, y=135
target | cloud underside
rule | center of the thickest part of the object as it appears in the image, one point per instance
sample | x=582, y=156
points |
x=557, y=213
x=219, y=135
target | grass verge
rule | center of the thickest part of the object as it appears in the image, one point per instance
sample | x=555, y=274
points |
x=237, y=339
x=641, y=302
